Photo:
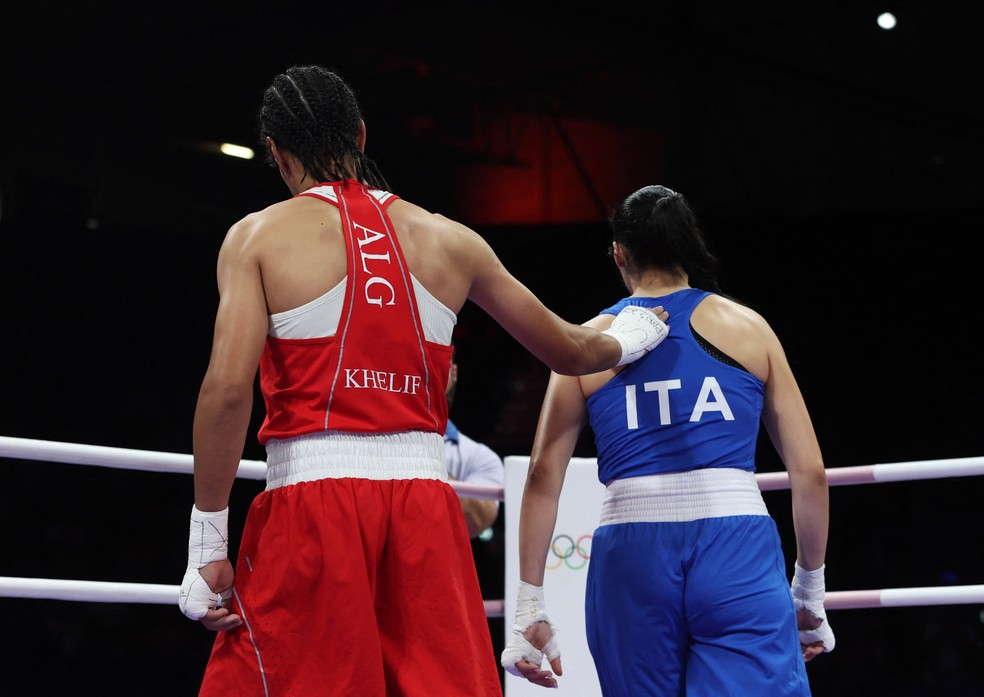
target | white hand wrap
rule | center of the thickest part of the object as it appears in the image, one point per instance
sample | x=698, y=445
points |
x=530, y=608
x=638, y=331
x=808, y=590
x=208, y=541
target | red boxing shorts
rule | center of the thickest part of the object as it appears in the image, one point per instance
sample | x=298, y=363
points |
x=351, y=586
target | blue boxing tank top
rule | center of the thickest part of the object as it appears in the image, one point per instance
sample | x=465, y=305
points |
x=678, y=408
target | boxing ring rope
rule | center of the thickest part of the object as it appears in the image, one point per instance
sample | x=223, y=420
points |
x=153, y=461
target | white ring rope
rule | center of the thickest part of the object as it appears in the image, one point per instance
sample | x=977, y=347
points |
x=159, y=594
x=112, y=592
x=89, y=591
x=153, y=461
x=878, y=474
x=119, y=458
x=148, y=460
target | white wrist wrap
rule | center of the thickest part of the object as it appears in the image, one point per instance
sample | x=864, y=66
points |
x=809, y=589
x=530, y=608
x=208, y=541
x=638, y=331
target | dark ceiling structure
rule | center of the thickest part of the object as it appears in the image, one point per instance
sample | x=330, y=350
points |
x=778, y=108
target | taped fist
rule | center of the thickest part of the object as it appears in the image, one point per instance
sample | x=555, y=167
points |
x=808, y=588
x=208, y=580
x=638, y=331
x=532, y=639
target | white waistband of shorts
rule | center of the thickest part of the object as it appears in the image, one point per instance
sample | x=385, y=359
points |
x=682, y=496
x=337, y=454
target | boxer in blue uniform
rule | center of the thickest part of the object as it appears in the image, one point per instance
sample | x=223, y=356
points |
x=687, y=590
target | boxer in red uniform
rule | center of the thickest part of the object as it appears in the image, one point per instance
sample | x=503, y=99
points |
x=354, y=573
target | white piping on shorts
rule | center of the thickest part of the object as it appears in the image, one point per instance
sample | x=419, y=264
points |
x=682, y=496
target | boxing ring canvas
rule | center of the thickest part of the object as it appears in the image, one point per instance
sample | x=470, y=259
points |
x=566, y=572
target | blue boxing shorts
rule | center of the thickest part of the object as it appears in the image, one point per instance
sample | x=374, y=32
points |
x=698, y=607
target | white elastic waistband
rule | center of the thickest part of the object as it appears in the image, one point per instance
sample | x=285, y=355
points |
x=682, y=496
x=334, y=454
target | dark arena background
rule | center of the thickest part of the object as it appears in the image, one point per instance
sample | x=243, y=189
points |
x=835, y=165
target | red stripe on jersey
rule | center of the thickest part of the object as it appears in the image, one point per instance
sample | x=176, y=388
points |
x=378, y=373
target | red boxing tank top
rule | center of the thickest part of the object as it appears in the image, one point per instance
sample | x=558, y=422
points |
x=378, y=373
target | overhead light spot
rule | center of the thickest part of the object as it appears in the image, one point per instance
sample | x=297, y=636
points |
x=239, y=151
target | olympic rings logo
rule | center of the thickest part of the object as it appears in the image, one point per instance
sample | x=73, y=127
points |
x=574, y=554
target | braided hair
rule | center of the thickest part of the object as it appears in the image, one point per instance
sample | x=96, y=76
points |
x=313, y=113
x=659, y=230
